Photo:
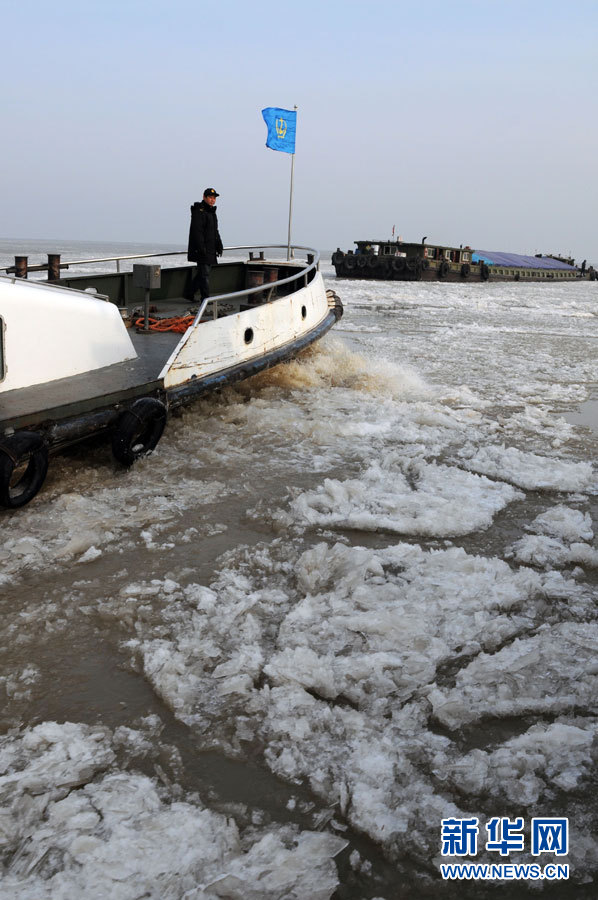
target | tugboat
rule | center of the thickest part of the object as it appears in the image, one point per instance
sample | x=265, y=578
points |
x=399, y=261
x=70, y=368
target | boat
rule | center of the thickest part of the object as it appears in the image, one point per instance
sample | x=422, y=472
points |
x=70, y=368
x=396, y=260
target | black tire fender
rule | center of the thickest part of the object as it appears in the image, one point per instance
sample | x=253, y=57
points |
x=398, y=263
x=361, y=262
x=350, y=261
x=443, y=269
x=484, y=272
x=138, y=430
x=23, y=468
x=372, y=262
x=465, y=270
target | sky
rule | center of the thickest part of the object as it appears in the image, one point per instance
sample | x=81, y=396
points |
x=467, y=122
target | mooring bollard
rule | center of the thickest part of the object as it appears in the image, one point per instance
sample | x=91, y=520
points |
x=21, y=266
x=53, y=266
x=255, y=277
x=270, y=276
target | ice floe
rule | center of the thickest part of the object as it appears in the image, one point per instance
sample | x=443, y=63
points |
x=560, y=537
x=553, y=671
x=528, y=470
x=409, y=497
x=526, y=768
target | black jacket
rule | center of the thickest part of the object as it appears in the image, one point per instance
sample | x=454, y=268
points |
x=204, y=240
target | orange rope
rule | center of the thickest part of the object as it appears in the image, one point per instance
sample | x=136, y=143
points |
x=176, y=323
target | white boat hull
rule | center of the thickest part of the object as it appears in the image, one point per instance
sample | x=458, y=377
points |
x=220, y=344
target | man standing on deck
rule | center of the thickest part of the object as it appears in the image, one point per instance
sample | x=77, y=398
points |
x=205, y=244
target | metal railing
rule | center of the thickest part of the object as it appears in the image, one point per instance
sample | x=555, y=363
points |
x=119, y=259
x=43, y=267
x=313, y=261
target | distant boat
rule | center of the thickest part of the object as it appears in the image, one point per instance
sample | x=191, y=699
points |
x=70, y=368
x=399, y=261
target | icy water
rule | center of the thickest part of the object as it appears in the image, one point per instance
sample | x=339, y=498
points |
x=341, y=602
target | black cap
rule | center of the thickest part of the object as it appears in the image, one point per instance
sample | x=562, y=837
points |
x=210, y=192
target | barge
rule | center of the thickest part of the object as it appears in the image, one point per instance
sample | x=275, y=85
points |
x=424, y=261
x=70, y=368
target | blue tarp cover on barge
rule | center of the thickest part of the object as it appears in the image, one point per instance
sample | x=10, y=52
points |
x=496, y=258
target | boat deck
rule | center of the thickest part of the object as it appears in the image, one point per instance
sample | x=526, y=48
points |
x=79, y=394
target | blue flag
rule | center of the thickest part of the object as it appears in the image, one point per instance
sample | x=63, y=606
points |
x=282, y=124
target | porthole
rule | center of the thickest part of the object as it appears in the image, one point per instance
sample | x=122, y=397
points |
x=248, y=336
x=303, y=312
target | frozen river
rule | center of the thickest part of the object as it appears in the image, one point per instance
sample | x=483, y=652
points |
x=341, y=602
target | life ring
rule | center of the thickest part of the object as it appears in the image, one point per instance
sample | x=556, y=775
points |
x=138, y=430
x=443, y=269
x=398, y=263
x=465, y=270
x=349, y=261
x=484, y=272
x=23, y=468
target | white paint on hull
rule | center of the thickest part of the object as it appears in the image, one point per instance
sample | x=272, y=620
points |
x=219, y=344
x=52, y=332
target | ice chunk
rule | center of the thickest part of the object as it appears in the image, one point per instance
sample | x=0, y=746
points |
x=553, y=671
x=558, y=539
x=427, y=499
x=528, y=470
x=564, y=523
x=525, y=769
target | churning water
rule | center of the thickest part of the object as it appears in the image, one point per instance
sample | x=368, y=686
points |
x=342, y=601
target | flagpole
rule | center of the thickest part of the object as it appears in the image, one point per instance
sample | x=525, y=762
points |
x=291, y=202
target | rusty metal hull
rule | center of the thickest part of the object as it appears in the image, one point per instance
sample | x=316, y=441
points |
x=454, y=274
